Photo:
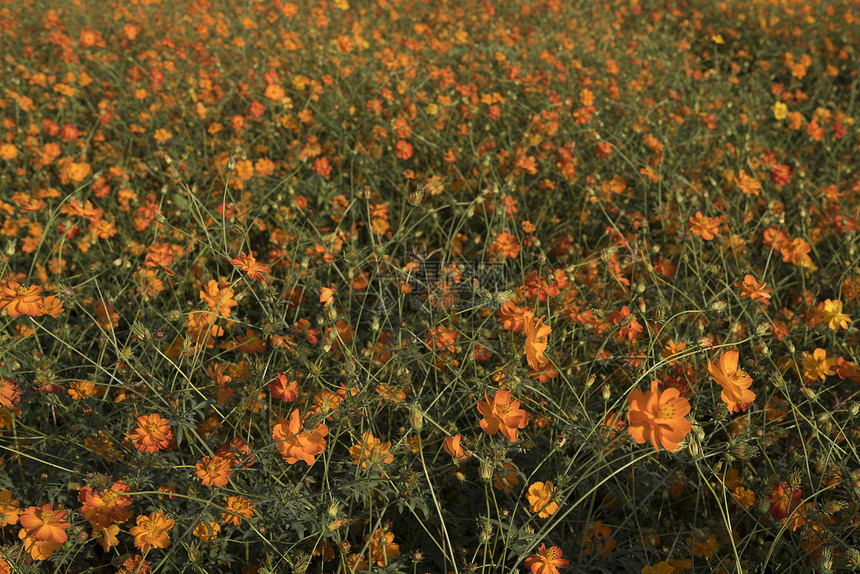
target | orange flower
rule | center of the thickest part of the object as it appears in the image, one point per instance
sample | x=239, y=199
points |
x=296, y=443
x=152, y=433
x=106, y=536
x=671, y=349
x=705, y=227
x=452, y=446
x=735, y=382
x=748, y=184
x=284, y=389
x=151, y=531
x=10, y=393
x=506, y=245
x=744, y=497
x=214, y=470
x=237, y=505
x=502, y=414
x=512, y=317
x=754, y=290
x=54, y=307
x=206, y=531
x=383, y=548
x=45, y=524
x=8, y=151
x=540, y=499
x=17, y=300
x=135, y=565
x=327, y=295
x=659, y=416
x=599, y=540
x=219, y=300
x=536, y=334
x=9, y=509
x=104, y=506
x=506, y=479
x=786, y=503
x=370, y=451
x=546, y=561
x=816, y=365
x=38, y=549
x=251, y=267
x=703, y=548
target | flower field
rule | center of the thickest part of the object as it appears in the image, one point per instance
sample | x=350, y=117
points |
x=403, y=286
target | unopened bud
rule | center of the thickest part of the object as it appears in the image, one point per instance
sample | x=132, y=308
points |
x=776, y=379
x=834, y=506
x=416, y=419
x=742, y=451
x=693, y=448
x=485, y=471
x=825, y=560
x=607, y=393
x=808, y=393
x=853, y=556
x=485, y=535
x=416, y=197
x=589, y=381
x=141, y=332
x=794, y=478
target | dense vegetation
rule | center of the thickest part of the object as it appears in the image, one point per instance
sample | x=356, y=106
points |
x=408, y=286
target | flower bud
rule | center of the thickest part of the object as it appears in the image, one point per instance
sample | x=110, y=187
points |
x=485, y=471
x=416, y=419
x=794, y=478
x=693, y=448
x=853, y=556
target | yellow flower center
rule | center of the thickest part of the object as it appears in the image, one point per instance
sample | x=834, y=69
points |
x=46, y=516
x=502, y=409
x=21, y=291
x=667, y=411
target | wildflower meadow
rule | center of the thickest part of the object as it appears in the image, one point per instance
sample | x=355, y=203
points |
x=429, y=286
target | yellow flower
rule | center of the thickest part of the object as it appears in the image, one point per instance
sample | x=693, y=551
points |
x=834, y=317
x=817, y=366
x=780, y=111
